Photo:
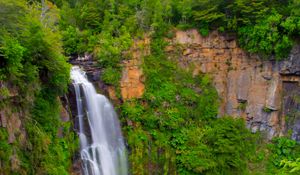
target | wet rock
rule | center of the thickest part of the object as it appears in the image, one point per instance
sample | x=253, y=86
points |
x=76, y=167
x=94, y=75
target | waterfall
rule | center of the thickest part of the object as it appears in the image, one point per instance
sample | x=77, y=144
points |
x=102, y=145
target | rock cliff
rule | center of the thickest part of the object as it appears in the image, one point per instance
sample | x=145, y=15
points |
x=14, y=113
x=132, y=82
x=264, y=93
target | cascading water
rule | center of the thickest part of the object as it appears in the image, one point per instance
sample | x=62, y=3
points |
x=102, y=145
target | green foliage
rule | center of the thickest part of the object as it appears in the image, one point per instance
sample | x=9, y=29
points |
x=33, y=64
x=266, y=38
x=5, y=151
x=78, y=42
x=12, y=16
x=12, y=52
x=207, y=11
x=267, y=110
x=111, y=76
x=294, y=6
x=265, y=27
x=72, y=41
x=283, y=148
x=242, y=106
x=46, y=111
x=246, y=12
x=223, y=147
x=291, y=166
x=48, y=153
x=90, y=16
x=233, y=144
x=280, y=156
x=4, y=92
x=174, y=126
x=35, y=47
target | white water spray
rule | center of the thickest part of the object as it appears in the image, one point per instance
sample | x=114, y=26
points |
x=102, y=145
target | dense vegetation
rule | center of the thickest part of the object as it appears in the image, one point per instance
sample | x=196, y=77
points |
x=33, y=64
x=173, y=128
x=268, y=27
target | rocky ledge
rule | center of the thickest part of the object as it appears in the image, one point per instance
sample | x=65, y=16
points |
x=265, y=93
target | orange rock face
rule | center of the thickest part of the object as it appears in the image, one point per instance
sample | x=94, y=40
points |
x=248, y=86
x=132, y=82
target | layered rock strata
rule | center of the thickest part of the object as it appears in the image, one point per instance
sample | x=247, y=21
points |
x=264, y=93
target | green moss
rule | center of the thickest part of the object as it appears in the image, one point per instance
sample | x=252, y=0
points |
x=46, y=152
x=4, y=92
x=5, y=151
x=111, y=76
x=267, y=110
x=242, y=106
